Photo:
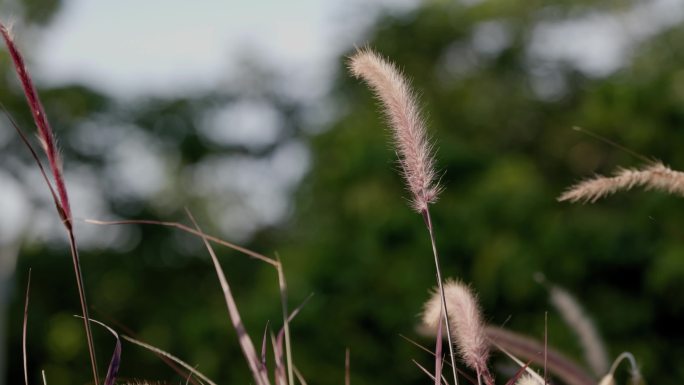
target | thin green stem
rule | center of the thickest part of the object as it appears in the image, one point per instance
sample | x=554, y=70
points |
x=428, y=223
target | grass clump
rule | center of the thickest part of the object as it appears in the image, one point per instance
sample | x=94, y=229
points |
x=453, y=307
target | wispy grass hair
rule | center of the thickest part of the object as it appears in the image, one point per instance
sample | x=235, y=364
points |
x=655, y=176
x=408, y=128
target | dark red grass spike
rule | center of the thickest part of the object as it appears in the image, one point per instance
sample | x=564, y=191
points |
x=44, y=130
x=46, y=136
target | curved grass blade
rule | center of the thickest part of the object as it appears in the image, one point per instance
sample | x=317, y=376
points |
x=24, y=327
x=169, y=356
x=245, y=341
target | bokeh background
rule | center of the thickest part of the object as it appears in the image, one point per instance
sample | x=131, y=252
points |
x=243, y=112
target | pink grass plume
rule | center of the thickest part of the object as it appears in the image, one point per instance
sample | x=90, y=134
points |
x=465, y=318
x=408, y=128
x=413, y=147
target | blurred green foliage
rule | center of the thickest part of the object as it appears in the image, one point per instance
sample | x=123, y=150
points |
x=506, y=151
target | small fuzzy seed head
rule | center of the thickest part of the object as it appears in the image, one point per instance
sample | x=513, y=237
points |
x=655, y=176
x=465, y=318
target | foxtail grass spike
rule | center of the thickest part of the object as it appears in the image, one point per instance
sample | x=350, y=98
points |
x=413, y=147
x=408, y=128
x=466, y=321
x=48, y=142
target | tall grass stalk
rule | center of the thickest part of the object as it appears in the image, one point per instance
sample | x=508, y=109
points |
x=24, y=328
x=59, y=192
x=413, y=148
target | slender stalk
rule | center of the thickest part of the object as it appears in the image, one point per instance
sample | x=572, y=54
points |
x=59, y=192
x=170, y=357
x=24, y=328
x=286, y=326
x=84, y=304
x=438, y=352
x=190, y=230
x=428, y=223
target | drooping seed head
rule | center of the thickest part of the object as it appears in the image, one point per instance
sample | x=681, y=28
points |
x=465, y=319
x=408, y=128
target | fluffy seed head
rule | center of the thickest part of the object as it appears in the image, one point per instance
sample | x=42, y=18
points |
x=656, y=176
x=466, y=320
x=408, y=129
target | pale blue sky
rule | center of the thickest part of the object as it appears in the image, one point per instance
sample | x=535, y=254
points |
x=139, y=47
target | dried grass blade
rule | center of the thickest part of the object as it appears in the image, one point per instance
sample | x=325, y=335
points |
x=190, y=230
x=431, y=353
x=169, y=356
x=263, y=347
x=282, y=333
x=243, y=338
x=566, y=369
x=115, y=362
x=279, y=369
x=282, y=285
x=24, y=327
x=432, y=377
x=182, y=373
x=299, y=375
